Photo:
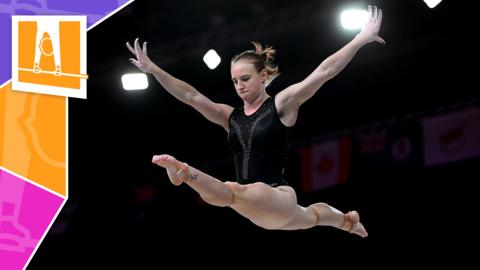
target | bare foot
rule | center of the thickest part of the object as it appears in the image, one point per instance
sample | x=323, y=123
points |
x=177, y=171
x=352, y=224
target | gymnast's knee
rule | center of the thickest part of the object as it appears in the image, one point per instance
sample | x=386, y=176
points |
x=235, y=188
x=222, y=199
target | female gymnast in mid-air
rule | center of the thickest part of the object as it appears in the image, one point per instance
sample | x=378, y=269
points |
x=257, y=135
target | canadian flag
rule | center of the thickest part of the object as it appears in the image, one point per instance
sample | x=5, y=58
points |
x=451, y=137
x=325, y=164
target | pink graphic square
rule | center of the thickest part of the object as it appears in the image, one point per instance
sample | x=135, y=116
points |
x=27, y=211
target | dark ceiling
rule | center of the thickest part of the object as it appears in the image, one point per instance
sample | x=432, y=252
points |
x=416, y=71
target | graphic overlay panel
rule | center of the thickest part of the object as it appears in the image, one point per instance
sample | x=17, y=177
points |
x=33, y=125
x=49, y=55
x=26, y=212
x=33, y=132
x=96, y=12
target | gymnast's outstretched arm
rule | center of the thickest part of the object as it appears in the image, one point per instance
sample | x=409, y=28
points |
x=291, y=98
x=215, y=112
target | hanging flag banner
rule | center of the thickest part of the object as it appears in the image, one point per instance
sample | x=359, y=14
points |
x=451, y=137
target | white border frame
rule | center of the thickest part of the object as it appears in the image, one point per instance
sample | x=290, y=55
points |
x=45, y=89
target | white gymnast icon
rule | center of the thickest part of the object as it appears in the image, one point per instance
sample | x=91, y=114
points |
x=48, y=30
x=48, y=44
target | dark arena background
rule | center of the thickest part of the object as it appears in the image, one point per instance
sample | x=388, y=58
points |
x=407, y=111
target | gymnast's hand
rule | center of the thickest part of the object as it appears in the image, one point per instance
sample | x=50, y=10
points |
x=369, y=32
x=142, y=62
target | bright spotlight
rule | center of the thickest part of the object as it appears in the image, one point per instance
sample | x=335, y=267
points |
x=432, y=3
x=354, y=19
x=212, y=59
x=134, y=81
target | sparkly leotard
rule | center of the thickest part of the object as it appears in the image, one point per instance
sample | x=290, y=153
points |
x=259, y=145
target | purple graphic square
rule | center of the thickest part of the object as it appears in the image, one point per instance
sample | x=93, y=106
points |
x=84, y=6
x=5, y=47
x=30, y=2
x=94, y=10
x=31, y=210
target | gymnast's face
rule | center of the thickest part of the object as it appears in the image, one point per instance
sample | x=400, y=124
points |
x=246, y=79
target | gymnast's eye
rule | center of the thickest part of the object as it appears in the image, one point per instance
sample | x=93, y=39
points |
x=244, y=79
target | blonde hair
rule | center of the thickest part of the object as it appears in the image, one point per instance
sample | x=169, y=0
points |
x=261, y=58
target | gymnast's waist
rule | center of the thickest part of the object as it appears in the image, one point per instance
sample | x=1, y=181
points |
x=272, y=182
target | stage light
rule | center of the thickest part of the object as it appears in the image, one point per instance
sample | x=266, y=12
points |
x=354, y=19
x=134, y=81
x=432, y=3
x=212, y=59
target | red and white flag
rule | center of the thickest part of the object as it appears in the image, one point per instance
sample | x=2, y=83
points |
x=451, y=137
x=325, y=164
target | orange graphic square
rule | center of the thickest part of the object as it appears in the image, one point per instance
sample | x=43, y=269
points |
x=33, y=137
x=70, y=55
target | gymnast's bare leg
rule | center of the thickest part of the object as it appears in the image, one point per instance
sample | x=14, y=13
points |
x=265, y=206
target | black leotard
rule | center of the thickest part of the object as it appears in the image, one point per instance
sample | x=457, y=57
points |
x=259, y=145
